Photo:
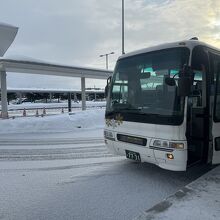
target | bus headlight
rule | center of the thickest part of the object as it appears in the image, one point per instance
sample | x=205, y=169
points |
x=160, y=143
x=109, y=135
x=166, y=144
x=176, y=145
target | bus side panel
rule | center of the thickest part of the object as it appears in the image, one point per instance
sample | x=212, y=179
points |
x=216, y=143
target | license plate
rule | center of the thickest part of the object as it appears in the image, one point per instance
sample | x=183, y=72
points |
x=133, y=155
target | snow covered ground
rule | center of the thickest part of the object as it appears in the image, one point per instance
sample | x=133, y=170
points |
x=100, y=188
x=57, y=167
x=200, y=200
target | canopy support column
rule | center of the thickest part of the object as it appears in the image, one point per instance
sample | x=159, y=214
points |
x=4, y=101
x=69, y=102
x=50, y=95
x=20, y=98
x=75, y=97
x=83, y=93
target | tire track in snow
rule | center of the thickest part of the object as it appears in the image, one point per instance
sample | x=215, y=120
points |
x=52, y=141
x=94, y=151
x=52, y=149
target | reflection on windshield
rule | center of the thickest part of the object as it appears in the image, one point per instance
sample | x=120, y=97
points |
x=138, y=84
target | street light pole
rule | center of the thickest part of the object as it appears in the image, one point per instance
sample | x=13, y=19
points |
x=123, y=28
x=106, y=61
x=106, y=58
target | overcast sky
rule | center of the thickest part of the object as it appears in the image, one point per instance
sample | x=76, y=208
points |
x=76, y=32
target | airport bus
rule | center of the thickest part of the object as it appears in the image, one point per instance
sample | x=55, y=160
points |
x=163, y=105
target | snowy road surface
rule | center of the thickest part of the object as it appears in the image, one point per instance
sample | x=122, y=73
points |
x=57, y=167
x=79, y=181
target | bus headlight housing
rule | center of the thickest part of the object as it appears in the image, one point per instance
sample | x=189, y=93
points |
x=160, y=143
x=109, y=135
x=167, y=144
x=176, y=145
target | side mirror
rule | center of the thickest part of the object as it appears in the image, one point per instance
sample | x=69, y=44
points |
x=106, y=90
x=185, y=81
x=184, y=86
x=145, y=75
x=107, y=86
x=170, y=81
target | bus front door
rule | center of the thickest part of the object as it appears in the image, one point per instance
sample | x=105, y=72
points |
x=216, y=121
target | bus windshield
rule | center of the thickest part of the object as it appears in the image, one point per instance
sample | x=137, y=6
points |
x=139, y=90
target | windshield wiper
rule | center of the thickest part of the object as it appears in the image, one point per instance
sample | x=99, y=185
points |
x=126, y=106
x=127, y=109
x=157, y=115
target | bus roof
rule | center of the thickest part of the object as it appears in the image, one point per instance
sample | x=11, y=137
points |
x=187, y=43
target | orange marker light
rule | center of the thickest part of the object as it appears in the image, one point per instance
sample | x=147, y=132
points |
x=170, y=156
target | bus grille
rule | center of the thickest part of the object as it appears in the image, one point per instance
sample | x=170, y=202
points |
x=132, y=139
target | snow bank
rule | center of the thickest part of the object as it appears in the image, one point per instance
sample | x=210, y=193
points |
x=90, y=119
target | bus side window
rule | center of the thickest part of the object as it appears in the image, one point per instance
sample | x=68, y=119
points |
x=195, y=99
x=200, y=66
x=120, y=89
x=119, y=93
x=197, y=94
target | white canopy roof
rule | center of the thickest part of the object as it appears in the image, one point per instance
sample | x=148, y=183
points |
x=43, y=68
x=7, y=36
x=45, y=90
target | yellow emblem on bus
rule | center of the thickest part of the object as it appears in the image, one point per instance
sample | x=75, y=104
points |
x=119, y=119
x=108, y=122
x=114, y=122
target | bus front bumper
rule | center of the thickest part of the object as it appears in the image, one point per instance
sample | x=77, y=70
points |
x=175, y=160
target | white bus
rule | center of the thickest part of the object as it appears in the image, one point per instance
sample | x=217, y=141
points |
x=163, y=105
